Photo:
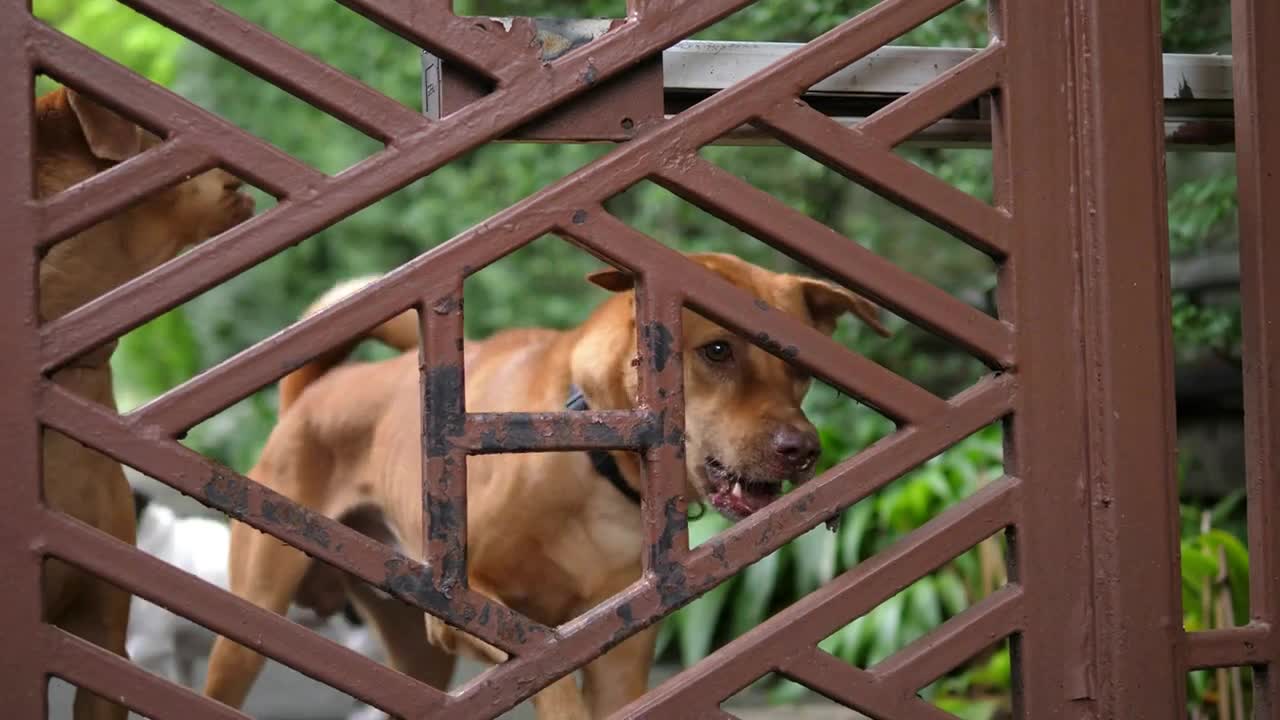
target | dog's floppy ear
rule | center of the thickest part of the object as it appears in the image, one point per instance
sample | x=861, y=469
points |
x=612, y=279
x=827, y=302
x=111, y=137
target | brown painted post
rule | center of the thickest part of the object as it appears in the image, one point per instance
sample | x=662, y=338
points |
x=21, y=654
x=1255, y=30
x=1039, y=294
x=1128, y=360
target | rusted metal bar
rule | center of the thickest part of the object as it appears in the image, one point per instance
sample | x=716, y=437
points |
x=1053, y=675
x=758, y=213
x=1229, y=647
x=214, y=608
x=80, y=207
x=956, y=641
x=780, y=334
x=660, y=345
x=442, y=382
x=1132, y=487
x=864, y=161
x=286, y=67
x=315, y=534
x=541, y=432
x=22, y=657
x=212, y=262
x=111, y=676
x=1255, y=33
x=822, y=612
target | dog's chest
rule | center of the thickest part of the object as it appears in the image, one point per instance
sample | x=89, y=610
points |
x=555, y=570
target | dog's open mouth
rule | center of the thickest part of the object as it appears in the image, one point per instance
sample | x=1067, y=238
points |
x=734, y=495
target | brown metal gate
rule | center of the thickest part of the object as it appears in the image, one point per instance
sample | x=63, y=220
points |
x=1080, y=355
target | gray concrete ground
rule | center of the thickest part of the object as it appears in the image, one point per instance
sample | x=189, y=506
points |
x=282, y=694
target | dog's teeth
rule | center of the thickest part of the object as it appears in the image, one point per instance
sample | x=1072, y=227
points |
x=737, y=489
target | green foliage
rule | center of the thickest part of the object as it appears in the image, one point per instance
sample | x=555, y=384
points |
x=865, y=529
x=117, y=32
x=1196, y=26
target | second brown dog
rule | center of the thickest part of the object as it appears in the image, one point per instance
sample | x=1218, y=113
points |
x=76, y=139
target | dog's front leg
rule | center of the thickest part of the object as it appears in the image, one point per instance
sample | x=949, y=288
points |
x=561, y=700
x=620, y=675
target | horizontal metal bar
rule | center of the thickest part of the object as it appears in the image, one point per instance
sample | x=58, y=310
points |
x=493, y=433
x=898, y=69
x=1229, y=647
x=1197, y=89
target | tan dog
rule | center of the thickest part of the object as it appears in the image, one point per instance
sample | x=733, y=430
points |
x=76, y=139
x=548, y=535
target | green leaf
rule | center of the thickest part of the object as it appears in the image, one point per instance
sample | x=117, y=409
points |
x=924, y=603
x=854, y=528
x=754, y=591
x=816, y=558
x=887, y=623
x=952, y=594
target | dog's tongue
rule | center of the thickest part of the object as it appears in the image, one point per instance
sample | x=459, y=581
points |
x=738, y=501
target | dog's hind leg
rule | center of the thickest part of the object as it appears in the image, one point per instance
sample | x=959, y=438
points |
x=400, y=628
x=101, y=616
x=267, y=573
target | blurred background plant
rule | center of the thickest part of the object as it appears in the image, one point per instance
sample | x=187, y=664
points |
x=211, y=328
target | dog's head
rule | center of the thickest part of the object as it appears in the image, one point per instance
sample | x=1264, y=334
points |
x=78, y=138
x=745, y=432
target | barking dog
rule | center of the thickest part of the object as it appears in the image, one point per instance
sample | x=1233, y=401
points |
x=549, y=534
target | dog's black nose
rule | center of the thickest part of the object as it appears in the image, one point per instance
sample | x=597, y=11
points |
x=799, y=448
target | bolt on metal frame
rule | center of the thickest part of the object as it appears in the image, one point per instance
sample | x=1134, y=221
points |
x=1079, y=354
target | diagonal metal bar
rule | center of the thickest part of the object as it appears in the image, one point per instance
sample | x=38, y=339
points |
x=315, y=534
x=83, y=205
x=956, y=641
x=860, y=159
x=111, y=676
x=852, y=594
x=758, y=213
x=187, y=595
x=162, y=289
x=648, y=600
x=919, y=109
x=773, y=330
x=254, y=160
x=481, y=44
x=285, y=66
x=856, y=688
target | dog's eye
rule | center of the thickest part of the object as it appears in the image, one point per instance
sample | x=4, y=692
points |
x=717, y=351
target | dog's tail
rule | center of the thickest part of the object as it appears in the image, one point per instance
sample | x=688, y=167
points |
x=400, y=332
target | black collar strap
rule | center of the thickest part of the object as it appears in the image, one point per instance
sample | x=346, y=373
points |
x=601, y=460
